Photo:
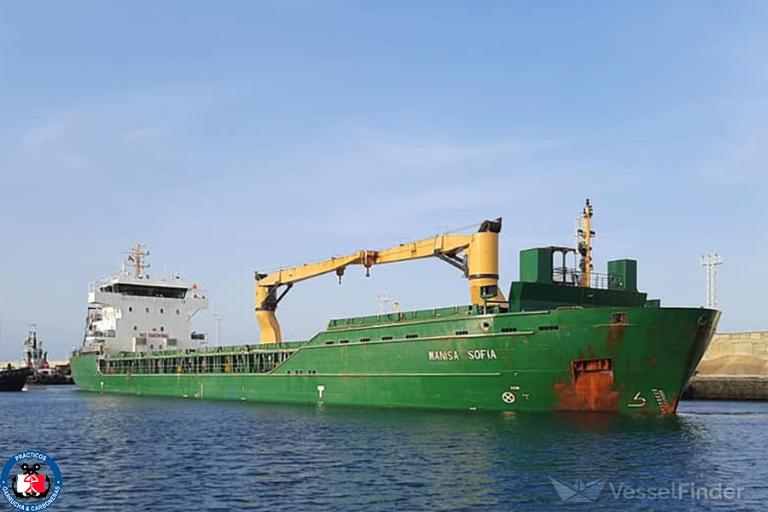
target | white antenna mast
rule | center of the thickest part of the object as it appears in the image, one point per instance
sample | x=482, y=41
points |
x=383, y=301
x=218, y=318
x=710, y=262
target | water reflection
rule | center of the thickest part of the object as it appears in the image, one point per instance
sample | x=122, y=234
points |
x=178, y=454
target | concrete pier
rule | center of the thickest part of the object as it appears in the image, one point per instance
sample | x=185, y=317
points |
x=735, y=367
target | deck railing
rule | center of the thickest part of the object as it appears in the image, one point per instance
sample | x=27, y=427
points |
x=572, y=277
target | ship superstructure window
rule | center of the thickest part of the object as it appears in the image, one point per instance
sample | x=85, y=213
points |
x=140, y=290
x=146, y=309
x=130, y=309
x=161, y=311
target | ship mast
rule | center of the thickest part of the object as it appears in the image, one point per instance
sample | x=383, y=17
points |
x=584, y=236
x=136, y=260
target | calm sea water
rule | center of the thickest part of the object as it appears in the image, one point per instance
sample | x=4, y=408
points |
x=132, y=453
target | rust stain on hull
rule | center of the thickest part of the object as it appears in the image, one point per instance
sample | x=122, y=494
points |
x=592, y=388
x=616, y=333
x=671, y=407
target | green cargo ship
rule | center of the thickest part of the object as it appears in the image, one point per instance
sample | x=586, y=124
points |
x=566, y=339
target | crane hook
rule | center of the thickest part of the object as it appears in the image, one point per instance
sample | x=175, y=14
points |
x=340, y=273
x=368, y=261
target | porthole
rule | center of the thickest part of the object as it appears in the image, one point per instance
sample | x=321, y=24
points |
x=485, y=325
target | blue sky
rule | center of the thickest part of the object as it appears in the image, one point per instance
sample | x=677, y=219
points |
x=237, y=136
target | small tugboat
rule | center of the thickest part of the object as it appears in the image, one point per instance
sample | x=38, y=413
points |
x=36, y=360
x=13, y=379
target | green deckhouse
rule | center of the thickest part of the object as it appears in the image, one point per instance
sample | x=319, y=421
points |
x=567, y=339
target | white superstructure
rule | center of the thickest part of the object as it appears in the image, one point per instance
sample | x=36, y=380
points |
x=131, y=312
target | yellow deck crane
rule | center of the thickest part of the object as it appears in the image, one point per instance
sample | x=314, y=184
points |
x=480, y=264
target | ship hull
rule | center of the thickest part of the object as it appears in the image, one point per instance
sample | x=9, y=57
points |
x=13, y=379
x=563, y=360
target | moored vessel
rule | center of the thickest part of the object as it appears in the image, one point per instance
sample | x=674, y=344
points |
x=13, y=379
x=565, y=339
x=36, y=359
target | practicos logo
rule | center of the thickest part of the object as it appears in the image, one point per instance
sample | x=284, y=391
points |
x=31, y=481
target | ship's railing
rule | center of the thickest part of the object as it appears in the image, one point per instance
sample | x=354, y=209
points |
x=490, y=307
x=196, y=362
x=572, y=277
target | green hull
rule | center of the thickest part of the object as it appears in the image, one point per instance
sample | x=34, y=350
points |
x=617, y=359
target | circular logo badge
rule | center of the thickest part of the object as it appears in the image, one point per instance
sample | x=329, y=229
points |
x=31, y=481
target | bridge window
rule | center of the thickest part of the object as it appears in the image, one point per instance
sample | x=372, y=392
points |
x=139, y=290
